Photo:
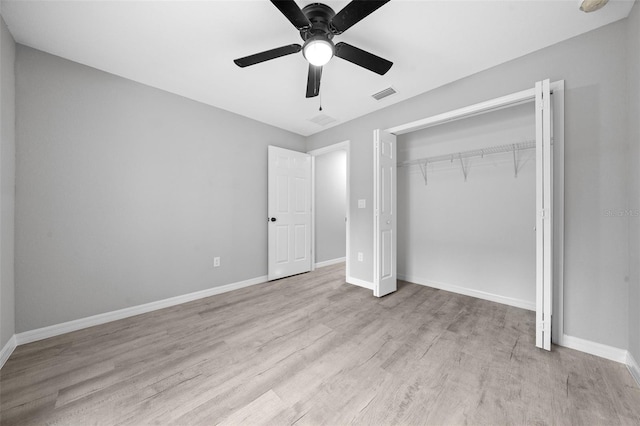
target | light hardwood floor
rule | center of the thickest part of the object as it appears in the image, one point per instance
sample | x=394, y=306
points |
x=312, y=349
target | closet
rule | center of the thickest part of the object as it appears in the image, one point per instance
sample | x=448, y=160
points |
x=466, y=206
x=474, y=203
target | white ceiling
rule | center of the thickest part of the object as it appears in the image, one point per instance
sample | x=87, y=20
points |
x=188, y=47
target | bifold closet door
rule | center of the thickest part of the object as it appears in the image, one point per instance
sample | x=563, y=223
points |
x=544, y=217
x=384, y=219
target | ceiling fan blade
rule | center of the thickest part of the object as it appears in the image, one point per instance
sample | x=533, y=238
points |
x=363, y=58
x=292, y=12
x=313, y=81
x=353, y=13
x=267, y=55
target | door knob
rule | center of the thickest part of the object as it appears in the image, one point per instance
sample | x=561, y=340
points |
x=388, y=222
x=273, y=219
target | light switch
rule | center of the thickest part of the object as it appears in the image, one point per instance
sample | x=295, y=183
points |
x=362, y=204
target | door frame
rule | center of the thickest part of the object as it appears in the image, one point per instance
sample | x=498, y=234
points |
x=557, y=231
x=340, y=146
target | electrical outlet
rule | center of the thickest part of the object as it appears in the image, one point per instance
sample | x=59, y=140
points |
x=362, y=204
x=216, y=262
x=360, y=257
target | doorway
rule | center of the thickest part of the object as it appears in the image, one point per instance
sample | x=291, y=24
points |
x=330, y=205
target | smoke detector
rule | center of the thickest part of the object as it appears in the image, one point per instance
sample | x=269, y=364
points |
x=588, y=6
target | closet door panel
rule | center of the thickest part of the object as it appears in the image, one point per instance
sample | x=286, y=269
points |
x=384, y=213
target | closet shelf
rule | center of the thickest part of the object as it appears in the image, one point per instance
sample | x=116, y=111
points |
x=471, y=153
x=461, y=156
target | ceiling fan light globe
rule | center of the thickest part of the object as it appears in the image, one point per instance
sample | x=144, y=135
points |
x=318, y=51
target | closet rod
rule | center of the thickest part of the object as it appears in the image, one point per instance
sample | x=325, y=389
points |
x=512, y=147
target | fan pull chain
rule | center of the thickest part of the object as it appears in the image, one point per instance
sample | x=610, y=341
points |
x=320, y=97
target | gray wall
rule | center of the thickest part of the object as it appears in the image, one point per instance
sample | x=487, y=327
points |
x=633, y=53
x=331, y=205
x=126, y=193
x=476, y=234
x=7, y=182
x=594, y=66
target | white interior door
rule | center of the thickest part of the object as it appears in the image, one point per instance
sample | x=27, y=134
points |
x=289, y=213
x=544, y=219
x=384, y=205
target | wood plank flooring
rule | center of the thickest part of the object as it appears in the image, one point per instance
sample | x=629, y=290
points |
x=310, y=350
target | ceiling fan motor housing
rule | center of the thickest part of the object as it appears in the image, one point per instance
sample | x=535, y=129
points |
x=320, y=16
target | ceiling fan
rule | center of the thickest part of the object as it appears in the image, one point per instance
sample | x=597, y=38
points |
x=318, y=24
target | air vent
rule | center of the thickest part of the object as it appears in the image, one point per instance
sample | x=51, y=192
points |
x=383, y=93
x=322, y=119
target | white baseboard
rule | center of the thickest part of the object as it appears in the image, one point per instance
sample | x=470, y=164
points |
x=593, y=348
x=331, y=262
x=7, y=350
x=518, y=303
x=67, y=327
x=633, y=367
x=359, y=282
